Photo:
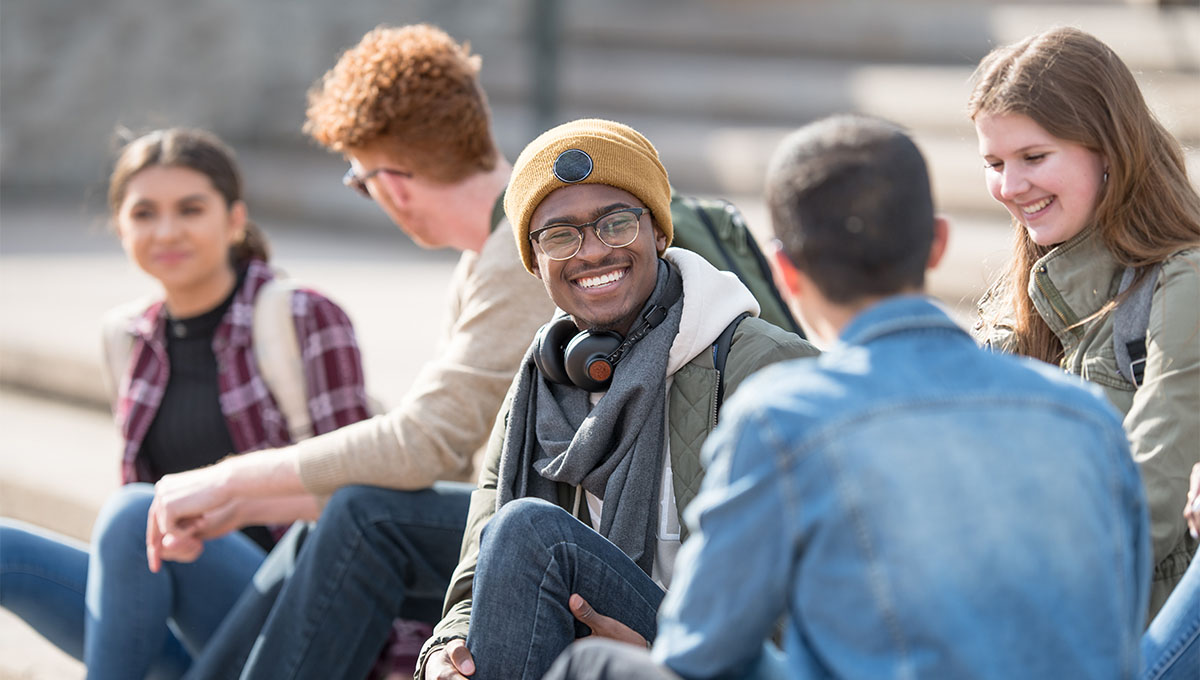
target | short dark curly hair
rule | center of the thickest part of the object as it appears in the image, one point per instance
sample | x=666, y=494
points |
x=413, y=89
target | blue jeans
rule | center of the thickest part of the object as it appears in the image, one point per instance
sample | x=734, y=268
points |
x=325, y=612
x=533, y=555
x=1171, y=645
x=106, y=608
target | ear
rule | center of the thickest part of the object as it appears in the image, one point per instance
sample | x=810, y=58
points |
x=787, y=277
x=795, y=287
x=396, y=186
x=660, y=239
x=533, y=262
x=941, y=236
x=238, y=214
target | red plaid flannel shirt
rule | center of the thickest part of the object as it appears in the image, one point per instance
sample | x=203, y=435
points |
x=332, y=368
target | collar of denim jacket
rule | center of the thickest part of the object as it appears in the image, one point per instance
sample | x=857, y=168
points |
x=898, y=314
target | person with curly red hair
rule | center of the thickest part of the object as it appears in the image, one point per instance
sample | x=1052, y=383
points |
x=405, y=108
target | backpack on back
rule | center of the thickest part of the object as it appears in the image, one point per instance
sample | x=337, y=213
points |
x=1131, y=320
x=716, y=230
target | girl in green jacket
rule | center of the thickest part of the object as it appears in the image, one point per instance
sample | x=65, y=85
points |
x=1097, y=188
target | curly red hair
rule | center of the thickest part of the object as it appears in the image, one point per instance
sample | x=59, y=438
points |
x=413, y=89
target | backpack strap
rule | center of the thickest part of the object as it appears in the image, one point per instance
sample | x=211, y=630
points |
x=1131, y=319
x=118, y=344
x=721, y=354
x=498, y=210
x=278, y=356
x=276, y=352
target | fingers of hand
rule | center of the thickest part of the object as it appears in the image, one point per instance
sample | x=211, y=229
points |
x=1192, y=515
x=181, y=547
x=460, y=656
x=187, y=494
x=580, y=608
x=441, y=666
x=601, y=625
x=153, y=539
x=1191, y=511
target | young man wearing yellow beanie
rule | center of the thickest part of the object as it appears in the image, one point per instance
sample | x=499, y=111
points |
x=576, y=522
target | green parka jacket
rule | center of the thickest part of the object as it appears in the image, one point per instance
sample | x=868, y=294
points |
x=1162, y=416
x=691, y=416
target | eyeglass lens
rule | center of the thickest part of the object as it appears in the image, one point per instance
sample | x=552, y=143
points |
x=353, y=181
x=615, y=230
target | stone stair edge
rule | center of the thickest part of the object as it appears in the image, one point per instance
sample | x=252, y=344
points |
x=26, y=367
x=926, y=30
x=52, y=507
x=786, y=88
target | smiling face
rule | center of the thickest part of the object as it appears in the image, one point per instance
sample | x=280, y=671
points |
x=176, y=227
x=600, y=287
x=1049, y=185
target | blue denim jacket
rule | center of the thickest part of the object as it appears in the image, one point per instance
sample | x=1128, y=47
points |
x=916, y=507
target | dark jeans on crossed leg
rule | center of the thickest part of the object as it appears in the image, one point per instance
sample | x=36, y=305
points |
x=533, y=555
x=325, y=611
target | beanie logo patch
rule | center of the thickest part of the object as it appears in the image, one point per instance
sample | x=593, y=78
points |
x=572, y=165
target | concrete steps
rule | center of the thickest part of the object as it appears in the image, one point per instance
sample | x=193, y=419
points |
x=917, y=31
x=714, y=84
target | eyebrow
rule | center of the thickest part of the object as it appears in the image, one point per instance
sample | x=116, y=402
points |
x=1024, y=149
x=597, y=213
x=186, y=199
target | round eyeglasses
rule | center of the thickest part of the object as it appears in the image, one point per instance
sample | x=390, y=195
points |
x=359, y=182
x=616, y=229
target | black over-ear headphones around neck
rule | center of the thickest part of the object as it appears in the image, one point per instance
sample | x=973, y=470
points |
x=586, y=359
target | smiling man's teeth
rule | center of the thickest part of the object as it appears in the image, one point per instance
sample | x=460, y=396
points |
x=1032, y=208
x=593, y=281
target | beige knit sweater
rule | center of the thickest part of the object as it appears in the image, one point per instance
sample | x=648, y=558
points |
x=440, y=428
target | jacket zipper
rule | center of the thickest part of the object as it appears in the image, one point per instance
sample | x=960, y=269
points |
x=712, y=423
x=1037, y=279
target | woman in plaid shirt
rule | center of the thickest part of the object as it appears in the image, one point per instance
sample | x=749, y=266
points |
x=191, y=395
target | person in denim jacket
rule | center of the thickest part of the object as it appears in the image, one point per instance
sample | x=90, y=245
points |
x=911, y=504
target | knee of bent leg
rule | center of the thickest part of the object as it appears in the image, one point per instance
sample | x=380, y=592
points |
x=357, y=505
x=525, y=519
x=121, y=524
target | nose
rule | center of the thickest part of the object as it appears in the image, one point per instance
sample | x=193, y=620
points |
x=592, y=247
x=164, y=227
x=1012, y=183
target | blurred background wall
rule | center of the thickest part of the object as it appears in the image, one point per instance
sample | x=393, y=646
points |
x=714, y=83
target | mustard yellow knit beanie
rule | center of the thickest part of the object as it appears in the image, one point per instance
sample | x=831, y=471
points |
x=586, y=151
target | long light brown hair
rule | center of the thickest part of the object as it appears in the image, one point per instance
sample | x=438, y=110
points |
x=1077, y=89
x=197, y=150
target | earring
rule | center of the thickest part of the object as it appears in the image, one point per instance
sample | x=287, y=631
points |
x=1105, y=177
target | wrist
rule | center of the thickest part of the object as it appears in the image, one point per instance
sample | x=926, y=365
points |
x=270, y=472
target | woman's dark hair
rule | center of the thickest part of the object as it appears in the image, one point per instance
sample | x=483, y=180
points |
x=197, y=150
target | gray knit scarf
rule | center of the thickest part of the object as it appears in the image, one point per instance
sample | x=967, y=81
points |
x=614, y=450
